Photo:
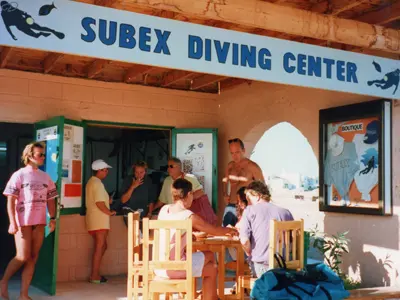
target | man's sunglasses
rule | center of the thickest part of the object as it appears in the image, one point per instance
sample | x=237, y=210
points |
x=42, y=155
x=171, y=166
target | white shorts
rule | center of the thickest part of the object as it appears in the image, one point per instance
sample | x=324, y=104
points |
x=198, y=259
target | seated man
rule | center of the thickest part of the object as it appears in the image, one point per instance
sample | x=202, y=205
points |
x=254, y=227
x=201, y=205
x=138, y=189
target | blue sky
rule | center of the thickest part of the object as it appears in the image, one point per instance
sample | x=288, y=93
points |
x=283, y=147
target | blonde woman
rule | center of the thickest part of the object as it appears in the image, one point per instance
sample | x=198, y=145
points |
x=203, y=262
x=29, y=192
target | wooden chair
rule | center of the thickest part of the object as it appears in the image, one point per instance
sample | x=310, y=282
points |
x=287, y=239
x=135, y=264
x=153, y=285
x=231, y=267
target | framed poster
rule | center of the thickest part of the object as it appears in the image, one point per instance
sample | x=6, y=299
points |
x=355, y=158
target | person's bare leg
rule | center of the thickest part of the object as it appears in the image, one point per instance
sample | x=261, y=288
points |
x=100, y=239
x=29, y=268
x=209, y=275
x=209, y=289
x=104, y=248
x=23, y=244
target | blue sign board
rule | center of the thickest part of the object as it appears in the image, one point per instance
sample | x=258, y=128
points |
x=82, y=29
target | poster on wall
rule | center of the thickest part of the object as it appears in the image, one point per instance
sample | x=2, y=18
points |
x=71, y=188
x=355, y=155
x=195, y=150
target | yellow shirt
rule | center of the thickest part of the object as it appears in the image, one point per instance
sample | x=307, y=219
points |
x=166, y=194
x=96, y=192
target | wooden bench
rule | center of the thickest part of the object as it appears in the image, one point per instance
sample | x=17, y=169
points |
x=377, y=293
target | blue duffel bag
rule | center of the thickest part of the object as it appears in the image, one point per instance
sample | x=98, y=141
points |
x=316, y=281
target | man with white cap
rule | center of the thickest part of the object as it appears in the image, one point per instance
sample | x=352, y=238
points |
x=98, y=216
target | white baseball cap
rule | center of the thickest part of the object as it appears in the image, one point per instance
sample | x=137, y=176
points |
x=100, y=164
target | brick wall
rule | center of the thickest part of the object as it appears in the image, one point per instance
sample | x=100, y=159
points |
x=29, y=97
x=76, y=248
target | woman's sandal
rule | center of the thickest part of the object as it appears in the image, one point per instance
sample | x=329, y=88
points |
x=102, y=280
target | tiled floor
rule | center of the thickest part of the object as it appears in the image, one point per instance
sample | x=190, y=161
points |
x=114, y=289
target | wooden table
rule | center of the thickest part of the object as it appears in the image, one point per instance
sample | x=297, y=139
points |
x=219, y=245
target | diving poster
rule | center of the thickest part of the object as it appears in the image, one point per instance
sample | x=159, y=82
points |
x=195, y=150
x=351, y=166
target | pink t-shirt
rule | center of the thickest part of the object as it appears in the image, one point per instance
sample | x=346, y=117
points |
x=32, y=188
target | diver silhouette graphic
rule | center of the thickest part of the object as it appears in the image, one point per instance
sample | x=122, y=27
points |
x=12, y=16
x=370, y=166
x=391, y=79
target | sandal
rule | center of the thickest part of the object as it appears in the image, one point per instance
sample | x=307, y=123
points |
x=102, y=280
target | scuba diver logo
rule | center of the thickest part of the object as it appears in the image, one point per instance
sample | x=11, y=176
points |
x=13, y=16
x=390, y=79
x=370, y=161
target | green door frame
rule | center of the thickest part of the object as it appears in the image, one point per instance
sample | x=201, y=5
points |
x=214, y=132
x=45, y=276
x=127, y=125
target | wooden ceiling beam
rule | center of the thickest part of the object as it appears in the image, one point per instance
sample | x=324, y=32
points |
x=5, y=56
x=166, y=14
x=174, y=76
x=135, y=71
x=96, y=67
x=232, y=82
x=50, y=61
x=205, y=80
x=284, y=19
x=383, y=16
x=336, y=7
x=352, y=4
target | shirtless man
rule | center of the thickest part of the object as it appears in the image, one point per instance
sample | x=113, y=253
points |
x=240, y=172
